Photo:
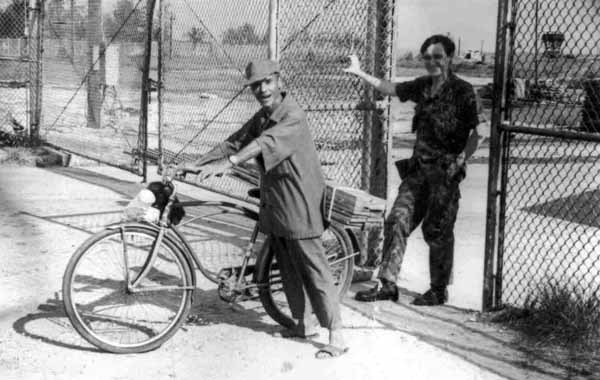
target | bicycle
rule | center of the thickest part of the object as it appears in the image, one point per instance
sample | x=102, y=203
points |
x=129, y=287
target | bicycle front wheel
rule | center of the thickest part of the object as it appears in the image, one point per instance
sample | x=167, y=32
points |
x=337, y=246
x=102, y=307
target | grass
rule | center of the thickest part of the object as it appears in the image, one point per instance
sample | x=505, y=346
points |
x=21, y=156
x=561, y=322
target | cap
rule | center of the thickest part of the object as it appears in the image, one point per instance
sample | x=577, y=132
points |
x=259, y=70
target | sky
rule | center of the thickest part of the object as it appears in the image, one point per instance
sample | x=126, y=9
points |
x=471, y=20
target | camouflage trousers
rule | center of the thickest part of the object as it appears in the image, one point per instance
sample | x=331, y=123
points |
x=428, y=194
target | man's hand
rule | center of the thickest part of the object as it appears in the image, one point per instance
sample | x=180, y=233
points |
x=186, y=167
x=354, y=67
x=456, y=169
x=214, y=169
x=172, y=171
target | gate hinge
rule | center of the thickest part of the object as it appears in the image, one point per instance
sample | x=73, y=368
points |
x=510, y=25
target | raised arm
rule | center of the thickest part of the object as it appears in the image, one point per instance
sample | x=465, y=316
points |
x=384, y=86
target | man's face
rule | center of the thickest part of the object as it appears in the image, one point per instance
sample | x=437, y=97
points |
x=436, y=60
x=268, y=91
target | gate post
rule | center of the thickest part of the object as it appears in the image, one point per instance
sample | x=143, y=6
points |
x=376, y=121
x=493, y=193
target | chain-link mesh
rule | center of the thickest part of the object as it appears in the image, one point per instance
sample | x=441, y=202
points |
x=15, y=57
x=208, y=44
x=93, y=61
x=552, y=217
x=316, y=37
x=549, y=232
x=555, y=65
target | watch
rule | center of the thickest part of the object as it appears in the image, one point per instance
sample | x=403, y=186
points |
x=233, y=159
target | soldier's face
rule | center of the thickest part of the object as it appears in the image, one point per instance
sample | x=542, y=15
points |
x=435, y=59
x=268, y=91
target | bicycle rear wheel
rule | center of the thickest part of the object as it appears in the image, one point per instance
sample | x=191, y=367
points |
x=99, y=304
x=337, y=249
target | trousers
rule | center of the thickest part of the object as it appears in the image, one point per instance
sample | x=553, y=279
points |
x=308, y=283
x=429, y=196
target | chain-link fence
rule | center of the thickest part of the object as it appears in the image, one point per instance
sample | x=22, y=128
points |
x=206, y=46
x=549, y=149
x=92, y=79
x=17, y=54
x=315, y=37
x=204, y=54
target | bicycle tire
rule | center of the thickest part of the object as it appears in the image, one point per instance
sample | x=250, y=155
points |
x=80, y=286
x=271, y=295
x=218, y=234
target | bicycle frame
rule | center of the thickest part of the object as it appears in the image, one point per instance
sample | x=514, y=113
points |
x=164, y=228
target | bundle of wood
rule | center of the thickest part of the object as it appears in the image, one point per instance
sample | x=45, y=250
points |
x=343, y=204
x=352, y=207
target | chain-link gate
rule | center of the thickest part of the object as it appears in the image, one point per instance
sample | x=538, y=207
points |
x=94, y=60
x=19, y=66
x=544, y=169
x=206, y=46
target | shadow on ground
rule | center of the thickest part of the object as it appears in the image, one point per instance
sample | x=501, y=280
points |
x=582, y=208
x=467, y=335
x=49, y=323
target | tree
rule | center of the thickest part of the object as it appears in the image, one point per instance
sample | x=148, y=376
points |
x=126, y=23
x=196, y=35
x=243, y=35
x=12, y=20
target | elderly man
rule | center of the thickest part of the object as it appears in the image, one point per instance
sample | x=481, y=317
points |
x=292, y=190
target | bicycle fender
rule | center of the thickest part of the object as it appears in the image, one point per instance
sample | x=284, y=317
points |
x=169, y=235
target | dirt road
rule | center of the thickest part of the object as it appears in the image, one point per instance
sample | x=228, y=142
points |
x=219, y=342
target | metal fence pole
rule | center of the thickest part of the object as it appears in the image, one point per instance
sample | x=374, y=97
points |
x=95, y=80
x=273, y=19
x=35, y=49
x=143, y=125
x=376, y=122
x=159, y=79
x=494, y=160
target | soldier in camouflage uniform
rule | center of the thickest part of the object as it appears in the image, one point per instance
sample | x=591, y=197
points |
x=445, y=121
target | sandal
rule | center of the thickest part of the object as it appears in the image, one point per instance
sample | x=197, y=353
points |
x=330, y=351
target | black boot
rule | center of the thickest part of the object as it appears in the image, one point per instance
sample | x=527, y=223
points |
x=385, y=290
x=431, y=298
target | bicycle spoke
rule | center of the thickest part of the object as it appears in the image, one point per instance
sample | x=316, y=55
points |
x=110, y=313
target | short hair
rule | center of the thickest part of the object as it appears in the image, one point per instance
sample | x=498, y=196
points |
x=446, y=42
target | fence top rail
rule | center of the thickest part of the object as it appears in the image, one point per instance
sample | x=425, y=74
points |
x=560, y=134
